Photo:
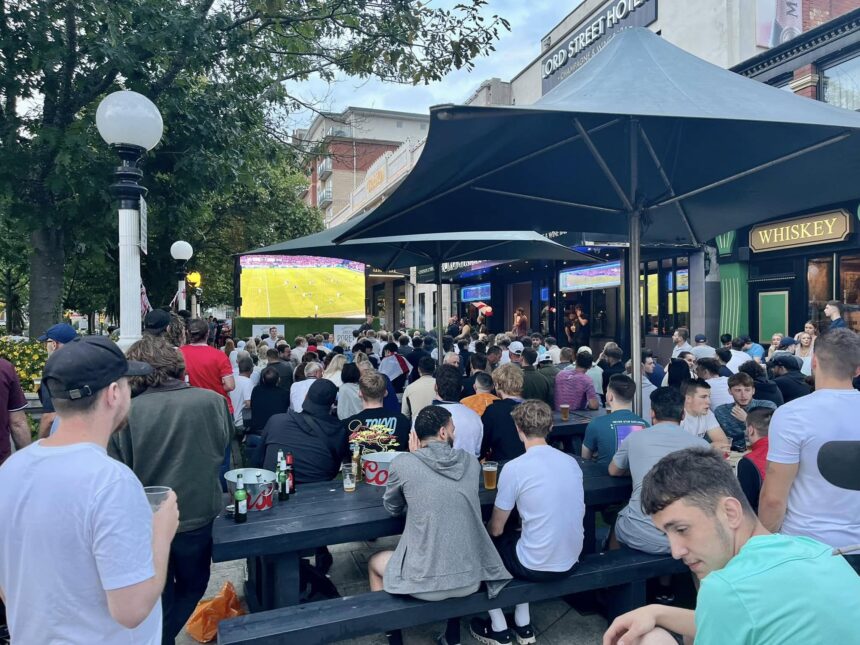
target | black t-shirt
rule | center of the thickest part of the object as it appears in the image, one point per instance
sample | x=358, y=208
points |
x=792, y=385
x=391, y=420
x=611, y=370
x=501, y=441
x=285, y=374
x=453, y=330
x=413, y=358
x=750, y=481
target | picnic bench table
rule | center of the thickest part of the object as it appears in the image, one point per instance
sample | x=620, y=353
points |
x=571, y=432
x=322, y=514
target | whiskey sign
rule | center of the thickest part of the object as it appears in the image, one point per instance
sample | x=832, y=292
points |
x=821, y=228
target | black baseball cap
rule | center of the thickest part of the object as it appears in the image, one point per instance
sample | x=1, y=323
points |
x=786, y=360
x=86, y=365
x=156, y=320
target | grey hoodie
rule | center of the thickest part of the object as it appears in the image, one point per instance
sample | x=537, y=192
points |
x=445, y=539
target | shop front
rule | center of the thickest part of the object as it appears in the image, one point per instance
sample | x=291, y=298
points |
x=797, y=265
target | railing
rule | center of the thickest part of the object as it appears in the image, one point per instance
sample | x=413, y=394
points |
x=385, y=173
x=324, y=198
x=324, y=168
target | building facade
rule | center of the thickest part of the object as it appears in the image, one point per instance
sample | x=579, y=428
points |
x=781, y=273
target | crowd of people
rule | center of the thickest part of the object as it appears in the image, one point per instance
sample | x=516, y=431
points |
x=94, y=551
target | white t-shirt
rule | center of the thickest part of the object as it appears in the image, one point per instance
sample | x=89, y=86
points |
x=720, y=394
x=738, y=359
x=77, y=525
x=299, y=392
x=468, y=427
x=240, y=394
x=699, y=426
x=798, y=429
x=539, y=483
x=555, y=352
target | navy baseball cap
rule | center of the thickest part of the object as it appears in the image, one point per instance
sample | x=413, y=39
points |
x=700, y=338
x=156, y=320
x=60, y=333
x=788, y=341
x=87, y=365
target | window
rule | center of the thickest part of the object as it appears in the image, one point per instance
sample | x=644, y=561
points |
x=840, y=84
x=819, y=285
x=849, y=290
x=664, y=293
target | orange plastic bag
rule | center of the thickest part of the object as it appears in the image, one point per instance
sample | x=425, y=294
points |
x=203, y=624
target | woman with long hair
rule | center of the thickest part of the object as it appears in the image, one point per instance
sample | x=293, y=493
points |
x=348, y=401
x=804, y=350
x=335, y=366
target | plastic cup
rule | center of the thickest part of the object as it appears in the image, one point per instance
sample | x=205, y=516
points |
x=491, y=472
x=348, y=471
x=155, y=495
x=565, y=411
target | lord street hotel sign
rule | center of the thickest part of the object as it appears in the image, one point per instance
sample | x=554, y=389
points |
x=577, y=47
x=821, y=228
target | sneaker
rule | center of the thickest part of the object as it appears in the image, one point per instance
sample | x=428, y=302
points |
x=482, y=631
x=525, y=635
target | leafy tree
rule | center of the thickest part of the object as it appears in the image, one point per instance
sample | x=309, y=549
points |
x=218, y=71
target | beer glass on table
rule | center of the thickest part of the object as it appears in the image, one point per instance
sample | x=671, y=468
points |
x=348, y=477
x=491, y=472
x=565, y=411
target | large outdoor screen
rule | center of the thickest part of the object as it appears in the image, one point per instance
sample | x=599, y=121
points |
x=596, y=276
x=301, y=286
x=475, y=292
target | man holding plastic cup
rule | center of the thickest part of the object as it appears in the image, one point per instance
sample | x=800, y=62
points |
x=86, y=542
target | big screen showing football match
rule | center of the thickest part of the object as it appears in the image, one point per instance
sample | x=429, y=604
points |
x=301, y=286
x=596, y=276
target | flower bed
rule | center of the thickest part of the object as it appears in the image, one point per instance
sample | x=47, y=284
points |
x=28, y=358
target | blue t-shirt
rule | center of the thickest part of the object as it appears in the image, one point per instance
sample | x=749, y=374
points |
x=756, y=351
x=780, y=589
x=605, y=433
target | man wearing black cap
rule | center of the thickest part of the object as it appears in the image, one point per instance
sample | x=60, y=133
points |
x=86, y=542
x=54, y=339
x=156, y=322
x=318, y=440
x=787, y=376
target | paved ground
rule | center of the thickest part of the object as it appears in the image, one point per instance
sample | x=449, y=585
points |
x=555, y=621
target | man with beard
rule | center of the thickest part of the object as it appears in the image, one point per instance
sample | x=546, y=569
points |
x=91, y=548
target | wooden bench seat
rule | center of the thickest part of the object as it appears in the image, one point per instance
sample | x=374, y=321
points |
x=622, y=573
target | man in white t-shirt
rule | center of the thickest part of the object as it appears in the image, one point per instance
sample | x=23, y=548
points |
x=86, y=560
x=240, y=396
x=698, y=420
x=739, y=357
x=795, y=498
x=469, y=429
x=538, y=484
x=709, y=369
x=299, y=389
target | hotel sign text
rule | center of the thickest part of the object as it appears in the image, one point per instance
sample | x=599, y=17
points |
x=821, y=228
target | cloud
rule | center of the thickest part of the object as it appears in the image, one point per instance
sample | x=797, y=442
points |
x=530, y=21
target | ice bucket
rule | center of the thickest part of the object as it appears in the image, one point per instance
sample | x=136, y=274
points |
x=261, y=490
x=375, y=467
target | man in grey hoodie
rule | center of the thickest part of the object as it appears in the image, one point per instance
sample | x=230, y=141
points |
x=445, y=551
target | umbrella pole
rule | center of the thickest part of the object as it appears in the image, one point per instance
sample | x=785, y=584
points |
x=437, y=268
x=635, y=225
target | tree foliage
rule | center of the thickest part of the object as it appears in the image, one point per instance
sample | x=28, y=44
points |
x=221, y=73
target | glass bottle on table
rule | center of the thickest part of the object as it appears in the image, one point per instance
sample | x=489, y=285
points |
x=291, y=479
x=240, y=501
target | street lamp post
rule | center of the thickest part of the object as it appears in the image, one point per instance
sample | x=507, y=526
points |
x=131, y=124
x=194, y=281
x=181, y=252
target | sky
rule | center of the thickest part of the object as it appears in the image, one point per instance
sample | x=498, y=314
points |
x=530, y=20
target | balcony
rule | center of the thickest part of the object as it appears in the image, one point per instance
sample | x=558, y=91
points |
x=324, y=168
x=324, y=198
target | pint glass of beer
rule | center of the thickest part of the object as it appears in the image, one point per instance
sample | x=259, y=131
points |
x=565, y=411
x=491, y=472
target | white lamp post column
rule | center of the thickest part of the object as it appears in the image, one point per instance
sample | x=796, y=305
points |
x=131, y=124
x=181, y=252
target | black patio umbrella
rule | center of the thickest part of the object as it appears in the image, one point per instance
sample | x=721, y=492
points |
x=644, y=139
x=403, y=251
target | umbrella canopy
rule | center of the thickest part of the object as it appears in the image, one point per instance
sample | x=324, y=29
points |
x=644, y=125
x=645, y=139
x=402, y=251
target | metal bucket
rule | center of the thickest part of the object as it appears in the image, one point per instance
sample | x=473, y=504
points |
x=261, y=490
x=375, y=466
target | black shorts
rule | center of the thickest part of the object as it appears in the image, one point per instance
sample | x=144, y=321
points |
x=506, y=545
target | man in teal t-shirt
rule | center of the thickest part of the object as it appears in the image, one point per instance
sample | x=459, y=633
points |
x=604, y=434
x=757, y=587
